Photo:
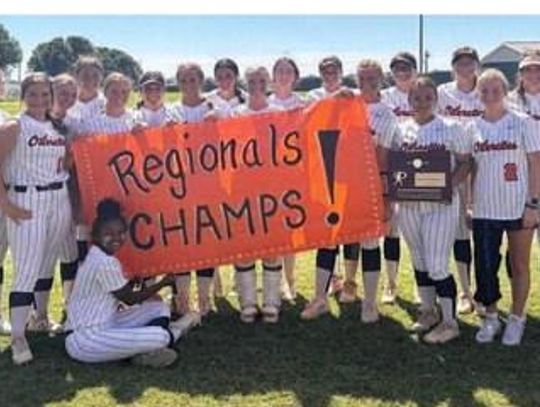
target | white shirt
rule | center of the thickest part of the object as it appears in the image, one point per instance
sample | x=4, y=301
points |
x=92, y=303
x=317, y=94
x=500, y=153
x=528, y=104
x=191, y=114
x=37, y=158
x=156, y=118
x=91, y=108
x=105, y=124
x=439, y=134
x=244, y=110
x=293, y=101
x=458, y=105
x=398, y=102
x=223, y=106
x=383, y=123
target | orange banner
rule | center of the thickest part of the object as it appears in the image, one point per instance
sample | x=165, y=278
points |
x=200, y=195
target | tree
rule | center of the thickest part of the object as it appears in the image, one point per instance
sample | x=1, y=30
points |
x=117, y=60
x=309, y=82
x=10, y=49
x=59, y=55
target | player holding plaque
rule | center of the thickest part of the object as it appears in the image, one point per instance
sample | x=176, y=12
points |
x=429, y=226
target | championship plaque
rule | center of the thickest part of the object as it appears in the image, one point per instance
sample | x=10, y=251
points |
x=419, y=176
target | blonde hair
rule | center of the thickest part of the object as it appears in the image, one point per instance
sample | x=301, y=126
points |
x=257, y=70
x=33, y=78
x=114, y=77
x=490, y=75
x=87, y=61
x=189, y=66
x=370, y=64
x=63, y=79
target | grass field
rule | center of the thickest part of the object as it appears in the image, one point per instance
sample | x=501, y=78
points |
x=334, y=361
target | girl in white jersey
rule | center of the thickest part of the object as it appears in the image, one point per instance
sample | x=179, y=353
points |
x=403, y=68
x=257, y=80
x=89, y=73
x=285, y=73
x=228, y=94
x=193, y=108
x=5, y=327
x=64, y=94
x=36, y=202
x=108, y=318
x=331, y=72
x=152, y=110
x=429, y=228
x=506, y=189
x=459, y=100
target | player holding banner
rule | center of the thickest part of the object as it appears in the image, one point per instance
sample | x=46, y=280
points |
x=429, y=227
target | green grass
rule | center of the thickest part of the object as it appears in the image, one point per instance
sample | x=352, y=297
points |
x=334, y=361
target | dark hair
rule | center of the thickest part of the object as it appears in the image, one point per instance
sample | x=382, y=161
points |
x=331, y=60
x=108, y=210
x=88, y=61
x=404, y=57
x=289, y=61
x=465, y=51
x=227, y=63
x=424, y=81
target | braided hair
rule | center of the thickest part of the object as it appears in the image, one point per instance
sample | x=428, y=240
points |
x=108, y=210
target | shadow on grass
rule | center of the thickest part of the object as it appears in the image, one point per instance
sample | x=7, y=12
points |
x=314, y=360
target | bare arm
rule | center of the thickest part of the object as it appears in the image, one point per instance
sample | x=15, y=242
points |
x=462, y=170
x=129, y=296
x=530, y=214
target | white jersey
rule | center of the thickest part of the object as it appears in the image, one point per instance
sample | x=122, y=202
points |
x=398, y=102
x=439, y=134
x=293, y=101
x=225, y=106
x=92, y=303
x=244, y=110
x=458, y=105
x=528, y=104
x=156, y=118
x=105, y=124
x=314, y=95
x=383, y=124
x=500, y=153
x=91, y=108
x=191, y=114
x=37, y=158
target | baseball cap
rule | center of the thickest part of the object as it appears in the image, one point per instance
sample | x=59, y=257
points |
x=404, y=57
x=330, y=61
x=530, y=59
x=465, y=52
x=152, y=77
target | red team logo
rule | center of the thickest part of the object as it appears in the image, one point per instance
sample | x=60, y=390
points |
x=510, y=172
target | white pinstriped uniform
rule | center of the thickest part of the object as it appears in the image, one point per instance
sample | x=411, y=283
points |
x=3, y=222
x=398, y=102
x=105, y=124
x=294, y=101
x=191, y=114
x=37, y=161
x=157, y=118
x=528, y=104
x=93, y=107
x=429, y=228
x=224, y=107
x=102, y=332
x=462, y=107
x=500, y=153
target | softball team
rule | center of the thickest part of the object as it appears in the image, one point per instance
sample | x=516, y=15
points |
x=505, y=198
x=471, y=117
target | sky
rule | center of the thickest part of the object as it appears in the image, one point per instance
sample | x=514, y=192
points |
x=161, y=42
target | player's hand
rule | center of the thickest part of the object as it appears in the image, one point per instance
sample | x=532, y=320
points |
x=530, y=218
x=139, y=128
x=344, y=94
x=68, y=160
x=15, y=213
x=211, y=116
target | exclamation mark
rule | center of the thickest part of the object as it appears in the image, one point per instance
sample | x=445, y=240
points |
x=328, y=140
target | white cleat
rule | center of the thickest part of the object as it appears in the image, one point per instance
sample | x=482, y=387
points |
x=514, y=331
x=156, y=359
x=20, y=352
x=490, y=328
x=5, y=327
x=442, y=333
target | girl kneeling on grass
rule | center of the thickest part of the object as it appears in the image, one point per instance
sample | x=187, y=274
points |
x=111, y=321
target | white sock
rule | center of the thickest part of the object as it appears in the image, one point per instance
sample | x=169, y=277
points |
x=19, y=318
x=463, y=273
x=42, y=302
x=371, y=285
x=447, y=308
x=391, y=268
x=427, y=296
x=322, y=281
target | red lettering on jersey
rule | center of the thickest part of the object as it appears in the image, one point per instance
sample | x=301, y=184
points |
x=398, y=111
x=510, y=172
x=534, y=116
x=46, y=141
x=459, y=112
x=422, y=147
x=501, y=145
